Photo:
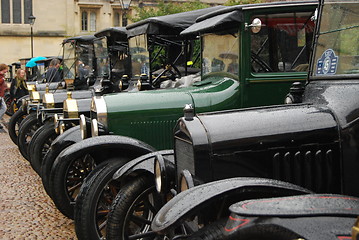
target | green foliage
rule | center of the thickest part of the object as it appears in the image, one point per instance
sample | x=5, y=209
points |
x=240, y=2
x=165, y=8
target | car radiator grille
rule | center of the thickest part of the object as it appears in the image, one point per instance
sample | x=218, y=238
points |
x=184, y=157
x=314, y=170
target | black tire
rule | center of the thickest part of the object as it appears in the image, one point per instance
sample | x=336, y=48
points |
x=137, y=197
x=46, y=166
x=14, y=124
x=66, y=178
x=40, y=144
x=9, y=101
x=94, y=200
x=27, y=128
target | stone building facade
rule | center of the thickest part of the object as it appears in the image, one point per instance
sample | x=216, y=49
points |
x=56, y=20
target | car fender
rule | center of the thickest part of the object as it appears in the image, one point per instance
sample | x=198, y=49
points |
x=107, y=146
x=143, y=163
x=188, y=202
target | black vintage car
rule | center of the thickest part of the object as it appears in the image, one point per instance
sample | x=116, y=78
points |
x=312, y=143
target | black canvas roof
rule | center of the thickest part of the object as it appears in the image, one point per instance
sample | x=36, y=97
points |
x=120, y=33
x=231, y=17
x=171, y=24
x=80, y=39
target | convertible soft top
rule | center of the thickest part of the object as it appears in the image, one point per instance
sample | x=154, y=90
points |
x=118, y=33
x=171, y=24
x=231, y=17
x=80, y=39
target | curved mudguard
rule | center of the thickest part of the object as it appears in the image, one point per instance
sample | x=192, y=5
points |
x=143, y=163
x=312, y=216
x=64, y=140
x=112, y=145
x=193, y=199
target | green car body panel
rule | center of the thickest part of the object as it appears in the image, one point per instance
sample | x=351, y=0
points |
x=150, y=116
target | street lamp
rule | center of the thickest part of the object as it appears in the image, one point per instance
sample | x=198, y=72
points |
x=32, y=21
x=125, y=4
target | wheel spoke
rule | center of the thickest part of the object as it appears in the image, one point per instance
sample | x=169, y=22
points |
x=139, y=221
x=143, y=235
x=150, y=206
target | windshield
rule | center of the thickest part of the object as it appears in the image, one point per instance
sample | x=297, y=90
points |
x=220, y=53
x=140, y=60
x=69, y=60
x=337, y=51
x=77, y=56
x=102, y=59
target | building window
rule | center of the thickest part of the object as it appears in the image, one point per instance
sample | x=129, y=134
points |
x=18, y=12
x=5, y=11
x=116, y=19
x=84, y=21
x=88, y=20
x=27, y=10
x=92, y=21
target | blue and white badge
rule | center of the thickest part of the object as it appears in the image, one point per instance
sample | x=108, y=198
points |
x=327, y=63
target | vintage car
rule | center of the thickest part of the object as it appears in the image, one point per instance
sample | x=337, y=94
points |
x=312, y=143
x=109, y=59
x=73, y=48
x=212, y=38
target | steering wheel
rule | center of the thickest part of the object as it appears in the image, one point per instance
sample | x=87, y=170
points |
x=257, y=59
x=169, y=68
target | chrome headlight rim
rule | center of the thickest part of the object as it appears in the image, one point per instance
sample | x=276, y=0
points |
x=83, y=127
x=160, y=173
x=62, y=127
x=94, y=128
x=98, y=106
x=24, y=104
x=56, y=123
x=289, y=99
x=186, y=181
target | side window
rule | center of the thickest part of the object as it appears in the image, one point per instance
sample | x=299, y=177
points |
x=283, y=43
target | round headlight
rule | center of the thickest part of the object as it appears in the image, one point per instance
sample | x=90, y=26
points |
x=158, y=175
x=288, y=99
x=120, y=85
x=139, y=85
x=94, y=128
x=24, y=103
x=83, y=127
x=62, y=128
x=56, y=118
x=165, y=172
x=99, y=108
x=186, y=180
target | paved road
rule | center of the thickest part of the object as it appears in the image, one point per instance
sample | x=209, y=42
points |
x=26, y=212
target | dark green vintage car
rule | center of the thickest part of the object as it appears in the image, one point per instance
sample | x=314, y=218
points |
x=250, y=57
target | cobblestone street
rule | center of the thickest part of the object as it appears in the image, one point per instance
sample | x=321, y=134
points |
x=26, y=211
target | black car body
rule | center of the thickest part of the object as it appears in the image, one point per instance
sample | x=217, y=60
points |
x=312, y=143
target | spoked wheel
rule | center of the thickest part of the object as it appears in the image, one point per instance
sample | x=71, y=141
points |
x=27, y=129
x=40, y=144
x=133, y=210
x=14, y=124
x=66, y=178
x=95, y=199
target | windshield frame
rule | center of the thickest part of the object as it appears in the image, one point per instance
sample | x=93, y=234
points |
x=331, y=60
